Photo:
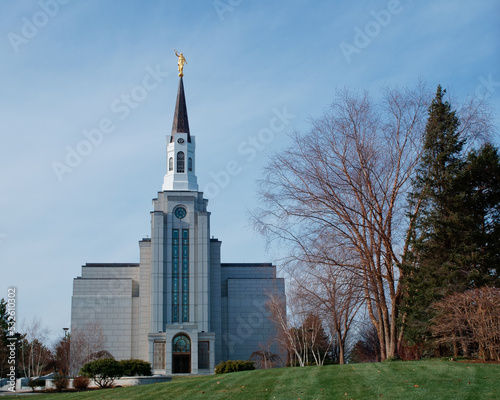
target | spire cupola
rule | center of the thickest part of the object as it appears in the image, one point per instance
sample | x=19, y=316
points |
x=180, y=145
x=181, y=123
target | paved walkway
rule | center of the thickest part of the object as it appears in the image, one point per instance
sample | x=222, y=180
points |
x=18, y=392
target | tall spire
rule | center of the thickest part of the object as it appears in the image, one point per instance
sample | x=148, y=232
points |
x=180, y=150
x=181, y=123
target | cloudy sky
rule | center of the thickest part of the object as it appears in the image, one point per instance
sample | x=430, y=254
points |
x=87, y=94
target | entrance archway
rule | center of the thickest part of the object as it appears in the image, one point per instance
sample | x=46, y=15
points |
x=181, y=355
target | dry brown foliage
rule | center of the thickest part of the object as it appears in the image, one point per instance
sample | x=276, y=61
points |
x=470, y=318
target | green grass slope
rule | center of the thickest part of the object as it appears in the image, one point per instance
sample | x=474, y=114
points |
x=391, y=380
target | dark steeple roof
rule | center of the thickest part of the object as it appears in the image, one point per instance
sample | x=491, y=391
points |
x=181, y=123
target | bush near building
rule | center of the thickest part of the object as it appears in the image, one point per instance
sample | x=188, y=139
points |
x=60, y=382
x=225, y=367
x=103, y=372
x=134, y=367
x=81, y=382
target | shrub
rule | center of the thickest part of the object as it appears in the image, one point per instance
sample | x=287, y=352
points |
x=34, y=383
x=103, y=372
x=60, y=382
x=471, y=319
x=228, y=366
x=134, y=367
x=81, y=382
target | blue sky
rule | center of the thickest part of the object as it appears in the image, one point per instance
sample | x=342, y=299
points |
x=67, y=68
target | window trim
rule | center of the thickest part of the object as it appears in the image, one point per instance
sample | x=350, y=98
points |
x=181, y=160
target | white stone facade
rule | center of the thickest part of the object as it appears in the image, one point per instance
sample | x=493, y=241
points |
x=179, y=308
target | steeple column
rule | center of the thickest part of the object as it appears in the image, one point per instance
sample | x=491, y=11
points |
x=180, y=150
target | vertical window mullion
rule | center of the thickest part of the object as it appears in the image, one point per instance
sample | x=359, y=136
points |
x=180, y=162
x=185, y=275
x=175, y=275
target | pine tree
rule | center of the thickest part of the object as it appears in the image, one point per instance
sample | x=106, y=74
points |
x=481, y=217
x=455, y=242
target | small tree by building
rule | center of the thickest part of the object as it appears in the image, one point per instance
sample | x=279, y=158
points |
x=62, y=355
x=265, y=359
x=87, y=344
x=61, y=382
x=81, y=382
x=34, y=356
x=103, y=372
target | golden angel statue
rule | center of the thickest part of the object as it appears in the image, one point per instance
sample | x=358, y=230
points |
x=181, y=62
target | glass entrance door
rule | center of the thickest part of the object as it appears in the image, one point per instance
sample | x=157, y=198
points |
x=181, y=355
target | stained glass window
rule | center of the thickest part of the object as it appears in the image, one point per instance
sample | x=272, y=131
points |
x=185, y=275
x=181, y=344
x=175, y=275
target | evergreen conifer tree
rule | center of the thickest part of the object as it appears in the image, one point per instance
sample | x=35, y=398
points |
x=455, y=243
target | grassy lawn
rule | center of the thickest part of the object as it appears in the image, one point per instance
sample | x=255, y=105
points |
x=389, y=380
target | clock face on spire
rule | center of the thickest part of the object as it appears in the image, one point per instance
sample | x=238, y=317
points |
x=180, y=140
x=180, y=212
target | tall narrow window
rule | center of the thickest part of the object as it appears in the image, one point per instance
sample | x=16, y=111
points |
x=185, y=275
x=190, y=164
x=175, y=275
x=203, y=355
x=170, y=163
x=180, y=161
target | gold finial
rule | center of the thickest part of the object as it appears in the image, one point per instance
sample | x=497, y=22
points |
x=180, y=63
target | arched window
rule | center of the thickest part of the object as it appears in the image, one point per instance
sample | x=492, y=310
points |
x=190, y=164
x=170, y=163
x=181, y=344
x=181, y=355
x=180, y=161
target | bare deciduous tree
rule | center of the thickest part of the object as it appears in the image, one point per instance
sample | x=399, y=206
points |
x=291, y=329
x=344, y=184
x=86, y=344
x=285, y=336
x=472, y=317
x=35, y=356
x=61, y=351
x=367, y=347
x=335, y=294
x=265, y=358
x=300, y=332
x=315, y=336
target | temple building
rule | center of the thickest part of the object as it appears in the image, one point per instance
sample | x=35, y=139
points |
x=179, y=308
